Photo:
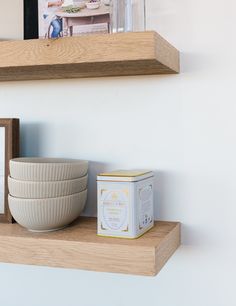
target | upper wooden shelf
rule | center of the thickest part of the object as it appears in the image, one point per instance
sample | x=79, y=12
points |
x=88, y=56
x=79, y=247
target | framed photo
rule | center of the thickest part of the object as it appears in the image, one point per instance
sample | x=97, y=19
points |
x=62, y=18
x=9, y=148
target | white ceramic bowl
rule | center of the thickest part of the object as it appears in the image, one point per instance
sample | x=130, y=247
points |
x=43, y=215
x=47, y=169
x=42, y=190
x=93, y=5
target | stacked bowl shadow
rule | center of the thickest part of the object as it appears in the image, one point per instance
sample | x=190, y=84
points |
x=46, y=194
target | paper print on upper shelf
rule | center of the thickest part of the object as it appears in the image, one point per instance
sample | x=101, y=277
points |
x=62, y=18
x=72, y=18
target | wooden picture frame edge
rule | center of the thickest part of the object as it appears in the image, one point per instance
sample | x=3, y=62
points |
x=12, y=150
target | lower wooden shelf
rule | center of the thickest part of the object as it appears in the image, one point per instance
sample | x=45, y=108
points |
x=79, y=247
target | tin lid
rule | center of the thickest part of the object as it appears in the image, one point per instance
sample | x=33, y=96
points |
x=125, y=175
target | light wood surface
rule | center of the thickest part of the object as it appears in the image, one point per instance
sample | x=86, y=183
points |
x=79, y=247
x=88, y=56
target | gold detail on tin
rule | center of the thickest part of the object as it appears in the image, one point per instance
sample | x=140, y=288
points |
x=114, y=196
x=141, y=227
x=103, y=190
x=103, y=228
x=125, y=173
x=126, y=230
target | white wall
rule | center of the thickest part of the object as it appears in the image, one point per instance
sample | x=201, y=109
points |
x=181, y=126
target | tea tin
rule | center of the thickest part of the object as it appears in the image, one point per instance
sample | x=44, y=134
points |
x=125, y=203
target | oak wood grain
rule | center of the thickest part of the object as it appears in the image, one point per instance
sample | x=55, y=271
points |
x=139, y=53
x=79, y=247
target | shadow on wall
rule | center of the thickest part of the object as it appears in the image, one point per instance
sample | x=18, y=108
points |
x=167, y=210
x=160, y=195
x=32, y=146
x=94, y=169
x=31, y=139
x=196, y=62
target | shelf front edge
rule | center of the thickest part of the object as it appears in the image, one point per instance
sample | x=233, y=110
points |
x=167, y=247
x=88, y=56
x=78, y=247
x=78, y=255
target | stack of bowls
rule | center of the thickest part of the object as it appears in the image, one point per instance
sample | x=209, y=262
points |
x=47, y=194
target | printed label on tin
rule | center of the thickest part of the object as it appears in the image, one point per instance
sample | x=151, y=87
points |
x=145, y=206
x=114, y=210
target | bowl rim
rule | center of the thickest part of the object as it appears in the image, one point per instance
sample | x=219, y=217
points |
x=47, y=161
x=48, y=199
x=47, y=182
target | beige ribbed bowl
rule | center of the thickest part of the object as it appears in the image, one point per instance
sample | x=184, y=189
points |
x=42, y=190
x=43, y=215
x=47, y=169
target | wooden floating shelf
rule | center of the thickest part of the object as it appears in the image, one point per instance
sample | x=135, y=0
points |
x=137, y=53
x=79, y=247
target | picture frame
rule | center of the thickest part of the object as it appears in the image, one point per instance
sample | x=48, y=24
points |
x=9, y=148
x=47, y=19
